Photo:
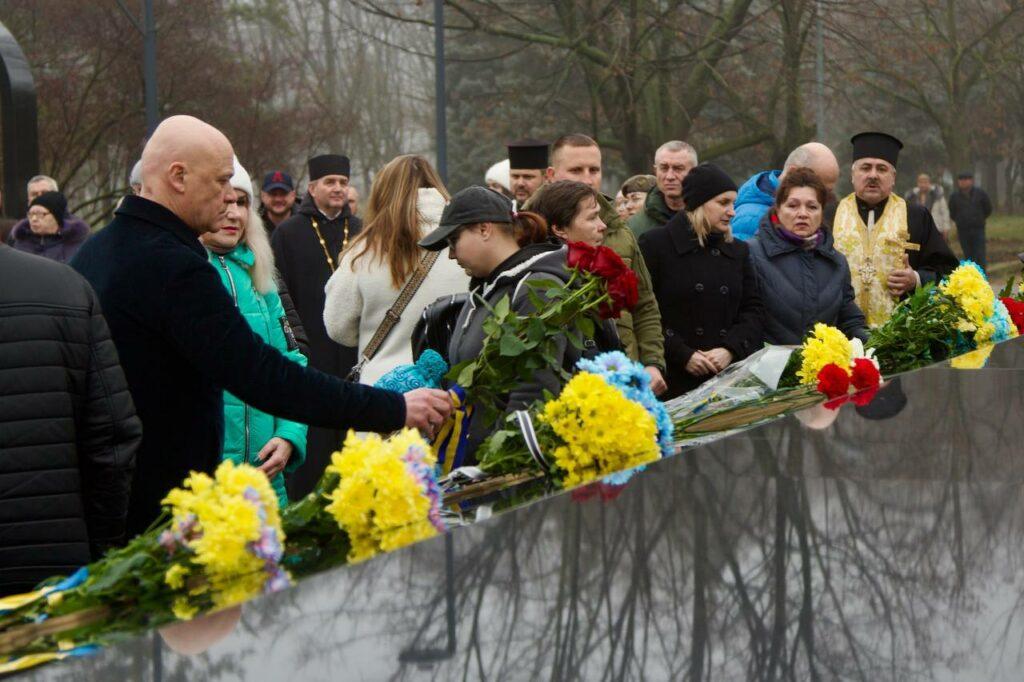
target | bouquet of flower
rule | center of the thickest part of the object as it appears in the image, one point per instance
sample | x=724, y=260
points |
x=600, y=286
x=375, y=496
x=744, y=394
x=605, y=420
x=220, y=543
x=957, y=316
x=834, y=364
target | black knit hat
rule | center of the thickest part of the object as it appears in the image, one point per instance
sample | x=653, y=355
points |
x=876, y=146
x=328, y=164
x=704, y=183
x=54, y=202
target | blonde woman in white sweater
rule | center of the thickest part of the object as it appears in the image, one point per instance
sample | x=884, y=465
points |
x=405, y=204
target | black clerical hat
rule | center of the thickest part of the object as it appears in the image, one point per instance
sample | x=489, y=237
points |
x=328, y=164
x=528, y=154
x=876, y=146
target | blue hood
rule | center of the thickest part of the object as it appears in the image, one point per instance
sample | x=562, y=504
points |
x=753, y=200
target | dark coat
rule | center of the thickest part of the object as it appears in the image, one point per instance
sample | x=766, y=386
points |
x=654, y=214
x=304, y=271
x=969, y=210
x=60, y=247
x=182, y=342
x=708, y=297
x=535, y=262
x=68, y=430
x=801, y=288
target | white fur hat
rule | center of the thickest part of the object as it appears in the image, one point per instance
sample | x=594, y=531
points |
x=499, y=173
x=241, y=180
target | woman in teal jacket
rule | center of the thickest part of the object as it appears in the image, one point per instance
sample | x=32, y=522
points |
x=241, y=254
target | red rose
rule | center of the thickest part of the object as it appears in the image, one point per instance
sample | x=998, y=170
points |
x=624, y=293
x=607, y=264
x=1016, y=310
x=864, y=374
x=581, y=256
x=833, y=380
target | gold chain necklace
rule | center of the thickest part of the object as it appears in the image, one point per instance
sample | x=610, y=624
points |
x=323, y=244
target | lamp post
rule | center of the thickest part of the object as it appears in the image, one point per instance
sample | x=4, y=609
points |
x=439, y=91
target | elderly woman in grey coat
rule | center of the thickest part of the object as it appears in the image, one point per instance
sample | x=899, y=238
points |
x=803, y=278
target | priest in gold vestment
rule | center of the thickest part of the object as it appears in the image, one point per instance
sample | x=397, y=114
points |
x=892, y=247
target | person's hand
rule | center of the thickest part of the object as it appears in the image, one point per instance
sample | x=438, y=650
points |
x=658, y=384
x=275, y=455
x=719, y=357
x=699, y=365
x=903, y=280
x=426, y=409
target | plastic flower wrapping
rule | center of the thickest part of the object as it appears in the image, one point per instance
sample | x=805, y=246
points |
x=387, y=495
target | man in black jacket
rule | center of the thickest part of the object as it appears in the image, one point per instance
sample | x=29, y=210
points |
x=970, y=207
x=306, y=252
x=181, y=339
x=68, y=430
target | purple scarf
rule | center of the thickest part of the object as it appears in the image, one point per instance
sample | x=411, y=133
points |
x=805, y=243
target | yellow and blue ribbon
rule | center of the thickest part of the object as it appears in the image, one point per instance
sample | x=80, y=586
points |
x=450, y=444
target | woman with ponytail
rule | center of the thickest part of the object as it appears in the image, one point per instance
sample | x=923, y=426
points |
x=502, y=252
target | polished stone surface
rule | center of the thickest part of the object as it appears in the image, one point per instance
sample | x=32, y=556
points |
x=886, y=545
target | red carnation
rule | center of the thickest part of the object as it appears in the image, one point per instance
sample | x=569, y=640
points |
x=581, y=256
x=833, y=380
x=607, y=264
x=1016, y=310
x=864, y=374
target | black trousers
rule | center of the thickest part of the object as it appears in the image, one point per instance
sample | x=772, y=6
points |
x=972, y=241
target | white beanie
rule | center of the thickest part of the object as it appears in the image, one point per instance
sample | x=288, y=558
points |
x=135, y=177
x=499, y=173
x=241, y=180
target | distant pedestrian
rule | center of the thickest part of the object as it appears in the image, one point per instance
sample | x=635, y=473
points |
x=933, y=198
x=47, y=232
x=970, y=207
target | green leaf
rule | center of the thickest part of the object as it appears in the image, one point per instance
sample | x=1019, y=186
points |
x=511, y=346
x=465, y=378
x=501, y=308
x=586, y=327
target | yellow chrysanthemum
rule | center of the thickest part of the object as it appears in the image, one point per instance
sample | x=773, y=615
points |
x=379, y=501
x=976, y=359
x=826, y=345
x=973, y=294
x=225, y=524
x=602, y=430
x=183, y=609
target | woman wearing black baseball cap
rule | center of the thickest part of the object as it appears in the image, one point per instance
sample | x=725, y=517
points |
x=501, y=251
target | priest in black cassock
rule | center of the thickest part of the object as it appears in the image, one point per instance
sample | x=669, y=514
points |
x=306, y=250
x=892, y=247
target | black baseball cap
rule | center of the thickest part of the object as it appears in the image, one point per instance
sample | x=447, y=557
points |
x=470, y=206
x=278, y=180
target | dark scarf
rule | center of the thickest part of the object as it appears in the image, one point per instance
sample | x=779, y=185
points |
x=805, y=243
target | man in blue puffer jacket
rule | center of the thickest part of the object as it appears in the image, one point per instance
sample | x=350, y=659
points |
x=757, y=194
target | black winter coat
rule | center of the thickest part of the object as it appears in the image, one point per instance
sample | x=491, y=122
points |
x=969, y=210
x=182, y=342
x=803, y=287
x=304, y=271
x=708, y=297
x=68, y=430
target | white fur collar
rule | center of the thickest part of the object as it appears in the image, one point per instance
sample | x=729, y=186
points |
x=430, y=204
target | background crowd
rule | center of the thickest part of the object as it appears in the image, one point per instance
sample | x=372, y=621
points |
x=216, y=318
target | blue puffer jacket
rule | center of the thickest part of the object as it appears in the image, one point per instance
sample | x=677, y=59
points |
x=800, y=288
x=753, y=200
x=246, y=429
